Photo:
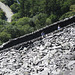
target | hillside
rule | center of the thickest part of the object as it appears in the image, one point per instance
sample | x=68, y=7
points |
x=53, y=55
x=31, y=15
x=24, y=51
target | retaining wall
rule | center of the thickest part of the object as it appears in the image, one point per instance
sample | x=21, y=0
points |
x=37, y=33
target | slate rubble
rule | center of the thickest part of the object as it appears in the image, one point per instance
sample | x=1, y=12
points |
x=53, y=55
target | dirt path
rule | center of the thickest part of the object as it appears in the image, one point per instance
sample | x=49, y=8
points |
x=7, y=11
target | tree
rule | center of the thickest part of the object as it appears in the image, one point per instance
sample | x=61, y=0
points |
x=53, y=18
x=2, y=14
x=48, y=21
x=20, y=30
x=27, y=28
x=4, y=36
x=72, y=7
x=38, y=20
x=16, y=16
x=42, y=18
x=67, y=15
x=23, y=21
x=1, y=28
x=24, y=8
x=13, y=30
x=15, y=7
x=32, y=20
x=37, y=24
x=9, y=2
x=65, y=8
x=51, y=6
x=32, y=10
x=3, y=22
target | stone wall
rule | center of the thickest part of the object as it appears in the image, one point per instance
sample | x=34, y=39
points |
x=37, y=33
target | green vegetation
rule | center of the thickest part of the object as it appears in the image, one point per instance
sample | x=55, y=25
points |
x=4, y=36
x=72, y=7
x=15, y=7
x=69, y=13
x=2, y=14
x=31, y=15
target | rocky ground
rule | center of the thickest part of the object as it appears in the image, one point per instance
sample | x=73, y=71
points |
x=53, y=55
x=7, y=11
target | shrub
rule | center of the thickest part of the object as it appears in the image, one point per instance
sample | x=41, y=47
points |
x=4, y=36
x=27, y=29
x=67, y=15
x=48, y=21
x=2, y=14
x=42, y=18
x=3, y=22
x=13, y=30
x=15, y=17
x=23, y=21
x=72, y=7
x=15, y=7
x=53, y=18
x=37, y=24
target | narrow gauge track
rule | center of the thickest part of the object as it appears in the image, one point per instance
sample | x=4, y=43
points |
x=28, y=38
